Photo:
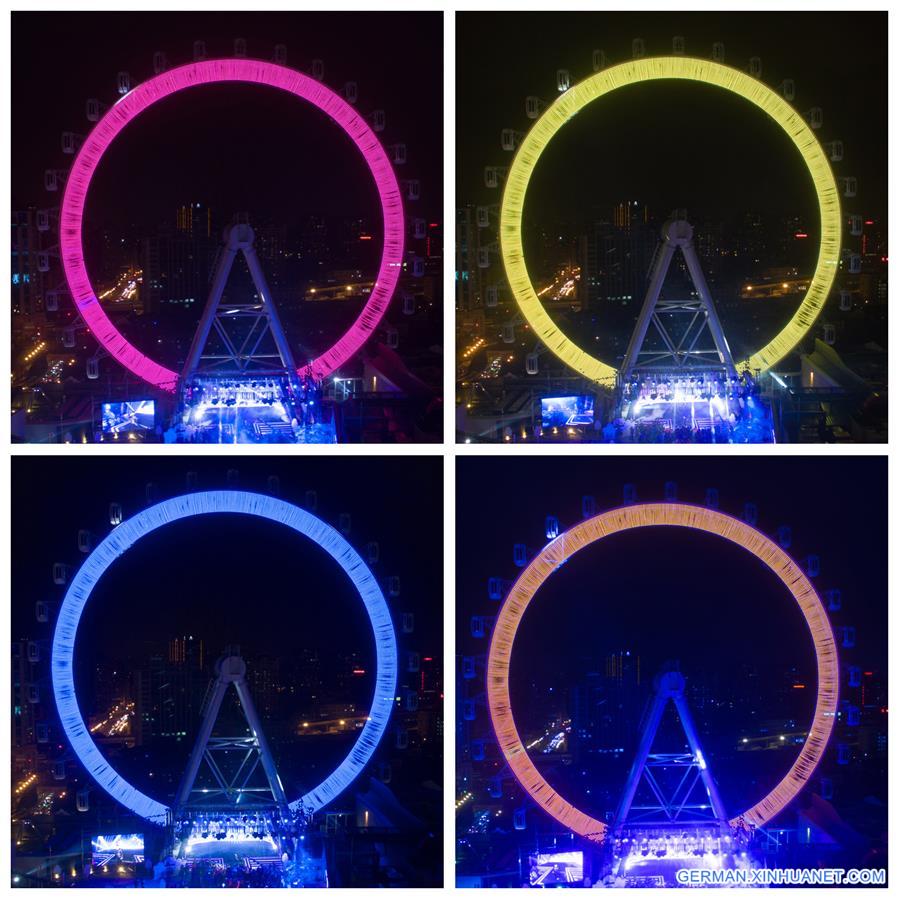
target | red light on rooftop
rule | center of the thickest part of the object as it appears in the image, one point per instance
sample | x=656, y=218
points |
x=427, y=658
x=799, y=687
x=868, y=673
x=870, y=221
x=365, y=237
x=801, y=234
x=359, y=671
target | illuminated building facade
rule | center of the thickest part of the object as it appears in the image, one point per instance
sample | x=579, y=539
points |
x=194, y=219
x=186, y=650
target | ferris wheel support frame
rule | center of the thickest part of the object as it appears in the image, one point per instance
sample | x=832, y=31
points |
x=670, y=686
x=642, y=71
x=231, y=670
x=677, y=234
x=626, y=518
x=246, y=360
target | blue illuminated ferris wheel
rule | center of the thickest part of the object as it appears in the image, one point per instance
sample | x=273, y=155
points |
x=124, y=536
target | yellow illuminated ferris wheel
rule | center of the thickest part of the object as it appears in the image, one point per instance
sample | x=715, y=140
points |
x=575, y=97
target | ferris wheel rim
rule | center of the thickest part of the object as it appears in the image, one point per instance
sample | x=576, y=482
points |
x=641, y=71
x=221, y=71
x=186, y=506
x=626, y=518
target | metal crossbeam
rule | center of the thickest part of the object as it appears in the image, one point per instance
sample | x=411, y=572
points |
x=233, y=789
x=681, y=805
x=681, y=352
x=242, y=355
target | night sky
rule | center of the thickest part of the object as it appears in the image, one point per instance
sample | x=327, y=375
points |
x=671, y=145
x=229, y=579
x=237, y=147
x=671, y=594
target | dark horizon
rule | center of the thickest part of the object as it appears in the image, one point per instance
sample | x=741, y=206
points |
x=667, y=144
x=143, y=596
x=828, y=503
x=243, y=148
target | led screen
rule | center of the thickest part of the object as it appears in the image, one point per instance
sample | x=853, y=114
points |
x=565, y=411
x=111, y=849
x=556, y=869
x=130, y=415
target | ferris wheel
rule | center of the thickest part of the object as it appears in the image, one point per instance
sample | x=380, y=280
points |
x=563, y=545
x=128, y=532
x=548, y=118
x=340, y=106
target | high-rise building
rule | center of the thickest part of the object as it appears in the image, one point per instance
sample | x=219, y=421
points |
x=177, y=264
x=168, y=697
x=605, y=707
x=751, y=243
x=469, y=296
x=27, y=280
x=430, y=719
x=615, y=256
x=187, y=650
x=194, y=219
x=629, y=215
x=356, y=247
x=434, y=240
x=305, y=678
x=270, y=242
x=24, y=711
x=314, y=248
x=263, y=677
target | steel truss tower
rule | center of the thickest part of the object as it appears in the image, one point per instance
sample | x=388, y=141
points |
x=678, y=351
x=242, y=354
x=235, y=787
x=685, y=805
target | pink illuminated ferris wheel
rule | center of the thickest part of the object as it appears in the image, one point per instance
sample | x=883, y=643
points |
x=340, y=107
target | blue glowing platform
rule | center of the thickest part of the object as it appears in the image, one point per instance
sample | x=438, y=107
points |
x=716, y=420
x=232, y=851
x=265, y=424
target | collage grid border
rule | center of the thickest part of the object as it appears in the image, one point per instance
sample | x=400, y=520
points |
x=448, y=449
